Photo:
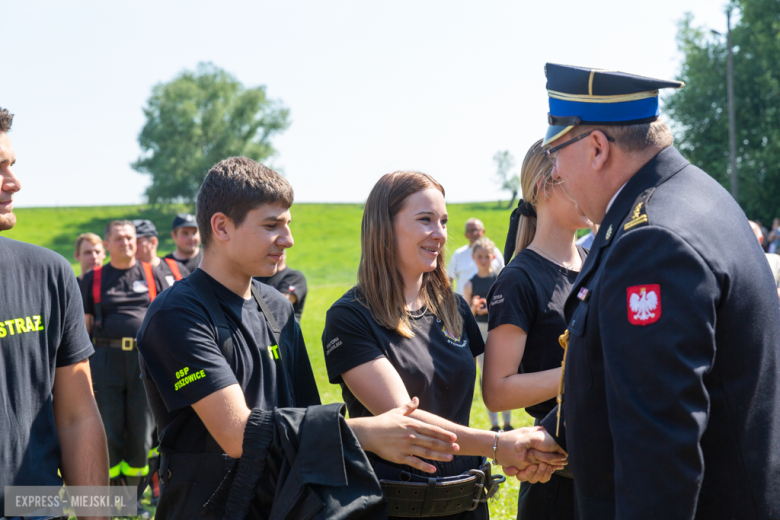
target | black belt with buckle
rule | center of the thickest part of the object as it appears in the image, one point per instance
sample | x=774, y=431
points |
x=413, y=495
x=123, y=343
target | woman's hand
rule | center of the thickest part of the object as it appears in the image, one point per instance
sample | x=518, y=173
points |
x=530, y=454
x=396, y=437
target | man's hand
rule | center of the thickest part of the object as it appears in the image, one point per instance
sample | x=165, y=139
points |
x=396, y=437
x=530, y=454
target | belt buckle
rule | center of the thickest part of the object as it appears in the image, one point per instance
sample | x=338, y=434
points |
x=127, y=343
x=480, y=488
x=492, y=482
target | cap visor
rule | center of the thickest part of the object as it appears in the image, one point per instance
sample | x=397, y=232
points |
x=554, y=132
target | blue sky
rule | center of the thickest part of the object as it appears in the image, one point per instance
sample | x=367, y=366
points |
x=372, y=87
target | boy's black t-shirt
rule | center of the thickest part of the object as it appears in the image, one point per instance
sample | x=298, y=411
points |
x=289, y=281
x=530, y=293
x=124, y=299
x=181, y=362
x=191, y=263
x=41, y=329
x=435, y=366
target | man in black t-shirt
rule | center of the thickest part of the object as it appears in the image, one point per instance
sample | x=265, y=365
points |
x=49, y=424
x=116, y=297
x=202, y=402
x=146, y=242
x=186, y=236
x=289, y=282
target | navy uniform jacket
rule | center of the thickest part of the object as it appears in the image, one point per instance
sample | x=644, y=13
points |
x=672, y=401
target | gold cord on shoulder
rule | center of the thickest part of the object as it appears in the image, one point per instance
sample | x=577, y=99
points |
x=564, y=341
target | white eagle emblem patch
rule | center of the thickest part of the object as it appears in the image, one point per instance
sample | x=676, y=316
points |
x=644, y=304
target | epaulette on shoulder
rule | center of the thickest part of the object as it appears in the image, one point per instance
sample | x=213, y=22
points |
x=638, y=216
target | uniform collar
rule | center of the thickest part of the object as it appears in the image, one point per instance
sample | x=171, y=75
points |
x=612, y=200
x=665, y=164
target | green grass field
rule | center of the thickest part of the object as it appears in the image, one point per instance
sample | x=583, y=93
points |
x=327, y=250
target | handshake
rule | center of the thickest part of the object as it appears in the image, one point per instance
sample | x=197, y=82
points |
x=529, y=454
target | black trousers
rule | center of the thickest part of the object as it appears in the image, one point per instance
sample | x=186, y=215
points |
x=121, y=400
x=553, y=500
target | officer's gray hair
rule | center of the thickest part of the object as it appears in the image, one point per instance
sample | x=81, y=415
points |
x=236, y=186
x=6, y=120
x=635, y=138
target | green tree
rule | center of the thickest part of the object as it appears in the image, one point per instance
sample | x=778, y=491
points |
x=195, y=121
x=699, y=111
x=509, y=182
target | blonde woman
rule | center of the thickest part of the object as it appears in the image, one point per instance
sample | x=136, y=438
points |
x=523, y=356
x=402, y=332
x=475, y=293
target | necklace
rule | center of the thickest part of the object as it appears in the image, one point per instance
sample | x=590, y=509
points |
x=421, y=311
x=569, y=266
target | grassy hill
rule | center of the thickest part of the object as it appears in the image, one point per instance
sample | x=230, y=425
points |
x=327, y=250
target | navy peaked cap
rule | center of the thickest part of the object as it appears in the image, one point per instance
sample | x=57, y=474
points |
x=583, y=96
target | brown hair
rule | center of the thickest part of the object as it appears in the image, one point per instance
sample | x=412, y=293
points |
x=117, y=223
x=92, y=238
x=380, y=285
x=6, y=120
x=236, y=186
x=535, y=167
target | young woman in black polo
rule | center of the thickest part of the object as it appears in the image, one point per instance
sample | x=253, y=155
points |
x=402, y=331
x=525, y=304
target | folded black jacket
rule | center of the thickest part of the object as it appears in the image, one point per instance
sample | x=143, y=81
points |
x=299, y=464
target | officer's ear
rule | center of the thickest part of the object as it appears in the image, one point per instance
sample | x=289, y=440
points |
x=221, y=226
x=600, y=149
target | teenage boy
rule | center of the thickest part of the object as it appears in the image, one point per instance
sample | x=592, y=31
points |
x=146, y=243
x=186, y=236
x=116, y=297
x=50, y=427
x=202, y=403
x=89, y=252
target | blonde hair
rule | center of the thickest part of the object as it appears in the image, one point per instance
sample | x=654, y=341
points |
x=92, y=238
x=483, y=243
x=535, y=167
x=380, y=286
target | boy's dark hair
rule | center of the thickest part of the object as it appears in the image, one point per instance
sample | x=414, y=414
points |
x=6, y=120
x=236, y=186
